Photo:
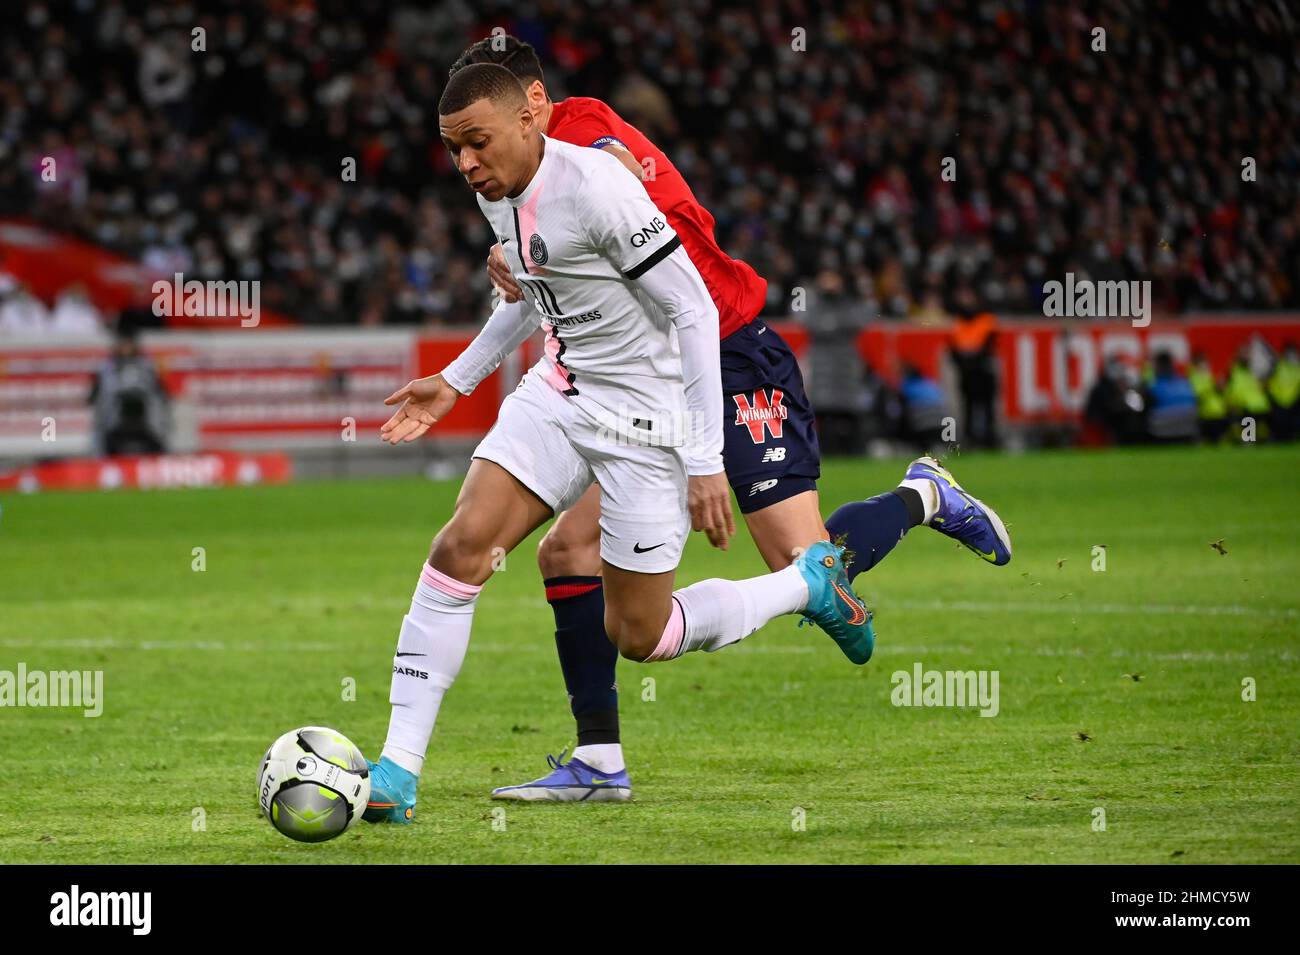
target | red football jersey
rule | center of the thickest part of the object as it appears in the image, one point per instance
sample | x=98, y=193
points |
x=737, y=290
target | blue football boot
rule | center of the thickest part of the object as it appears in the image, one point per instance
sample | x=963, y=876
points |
x=963, y=517
x=572, y=781
x=832, y=604
x=392, y=793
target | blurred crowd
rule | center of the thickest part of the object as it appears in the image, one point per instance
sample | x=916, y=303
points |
x=22, y=313
x=816, y=135
x=1258, y=399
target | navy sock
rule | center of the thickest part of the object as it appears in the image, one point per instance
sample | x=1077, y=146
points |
x=586, y=656
x=872, y=527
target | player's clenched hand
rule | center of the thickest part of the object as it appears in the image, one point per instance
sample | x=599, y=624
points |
x=425, y=402
x=709, y=500
x=499, y=273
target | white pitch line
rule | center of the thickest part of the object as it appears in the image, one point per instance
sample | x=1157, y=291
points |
x=546, y=647
x=1060, y=606
x=1063, y=606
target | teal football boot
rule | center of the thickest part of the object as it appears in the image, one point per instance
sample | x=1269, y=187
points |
x=832, y=604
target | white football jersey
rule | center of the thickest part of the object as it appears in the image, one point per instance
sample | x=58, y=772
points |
x=576, y=239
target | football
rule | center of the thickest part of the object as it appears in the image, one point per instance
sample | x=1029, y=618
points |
x=313, y=784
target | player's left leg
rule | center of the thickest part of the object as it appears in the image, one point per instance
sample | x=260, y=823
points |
x=644, y=523
x=569, y=559
x=649, y=621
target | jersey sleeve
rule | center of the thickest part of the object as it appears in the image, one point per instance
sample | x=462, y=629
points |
x=621, y=221
x=506, y=329
x=676, y=287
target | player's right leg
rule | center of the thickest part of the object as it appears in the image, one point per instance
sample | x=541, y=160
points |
x=928, y=495
x=494, y=512
x=773, y=459
x=524, y=471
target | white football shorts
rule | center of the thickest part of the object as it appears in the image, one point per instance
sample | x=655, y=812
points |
x=556, y=451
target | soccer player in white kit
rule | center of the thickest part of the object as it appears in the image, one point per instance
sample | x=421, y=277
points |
x=627, y=395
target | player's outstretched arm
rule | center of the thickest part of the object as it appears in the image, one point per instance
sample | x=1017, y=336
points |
x=426, y=401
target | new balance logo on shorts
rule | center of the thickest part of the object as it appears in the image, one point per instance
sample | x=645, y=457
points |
x=762, y=486
x=773, y=454
x=761, y=412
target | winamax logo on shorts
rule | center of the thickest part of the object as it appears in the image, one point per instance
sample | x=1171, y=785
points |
x=75, y=907
x=1085, y=298
x=83, y=688
x=961, y=688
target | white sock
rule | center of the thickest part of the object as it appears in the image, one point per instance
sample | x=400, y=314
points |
x=602, y=757
x=929, y=495
x=719, y=612
x=430, y=650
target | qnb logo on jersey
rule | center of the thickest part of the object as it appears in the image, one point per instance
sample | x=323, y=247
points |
x=537, y=250
x=762, y=412
x=640, y=238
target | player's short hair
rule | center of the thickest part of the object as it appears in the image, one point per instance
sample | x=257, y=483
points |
x=481, y=81
x=514, y=54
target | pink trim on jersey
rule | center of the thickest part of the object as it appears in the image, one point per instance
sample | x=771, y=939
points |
x=670, y=644
x=556, y=378
x=528, y=228
x=448, y=585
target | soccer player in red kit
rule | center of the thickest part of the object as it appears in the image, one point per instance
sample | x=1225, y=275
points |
x=771, y=454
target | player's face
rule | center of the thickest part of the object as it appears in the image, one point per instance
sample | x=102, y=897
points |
x=490, y=144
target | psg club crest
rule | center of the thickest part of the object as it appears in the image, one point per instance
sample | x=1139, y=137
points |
x=537, y=250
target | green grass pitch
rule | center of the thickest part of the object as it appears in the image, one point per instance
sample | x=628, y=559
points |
x=1120, y=690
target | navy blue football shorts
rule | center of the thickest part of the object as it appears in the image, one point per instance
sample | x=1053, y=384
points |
x=769, y=447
